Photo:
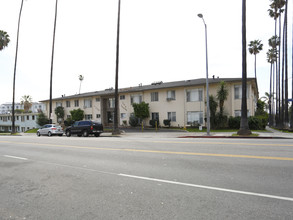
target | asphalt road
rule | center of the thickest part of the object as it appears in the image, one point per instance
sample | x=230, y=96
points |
x=131, y=177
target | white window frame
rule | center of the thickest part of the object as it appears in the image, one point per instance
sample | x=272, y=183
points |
x=154, y=96
x=193, y=116
x=194, y=95
x=172, y=116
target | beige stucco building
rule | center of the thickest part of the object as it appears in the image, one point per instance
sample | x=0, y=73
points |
x=183, y=102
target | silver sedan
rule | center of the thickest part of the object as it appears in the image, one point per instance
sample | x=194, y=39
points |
x=50, y=129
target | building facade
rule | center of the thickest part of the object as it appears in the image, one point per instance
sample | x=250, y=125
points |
x=23, y=122
x=182, y=102
x=36, y=107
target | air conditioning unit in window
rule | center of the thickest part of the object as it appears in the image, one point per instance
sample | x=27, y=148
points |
x=170, y=99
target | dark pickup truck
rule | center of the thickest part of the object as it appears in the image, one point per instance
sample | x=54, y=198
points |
x=85, y=128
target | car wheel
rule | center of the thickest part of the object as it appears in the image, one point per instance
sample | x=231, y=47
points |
x=49, y=134
x=68, y=133
x=97, y=134
x=38, y=133
x=85, y=133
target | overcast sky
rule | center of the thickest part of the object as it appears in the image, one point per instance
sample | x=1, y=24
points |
x=160, y=40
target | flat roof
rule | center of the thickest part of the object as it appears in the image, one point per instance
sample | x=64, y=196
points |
x=153, y=86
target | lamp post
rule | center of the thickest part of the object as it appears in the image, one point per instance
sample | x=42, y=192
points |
x=207, y=76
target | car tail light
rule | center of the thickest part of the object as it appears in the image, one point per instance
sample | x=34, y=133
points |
x=92, y=127
x=54, y=128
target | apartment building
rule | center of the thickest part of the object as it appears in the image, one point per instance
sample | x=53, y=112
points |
x=183, y=102
x=36, y=107
x=23, y=122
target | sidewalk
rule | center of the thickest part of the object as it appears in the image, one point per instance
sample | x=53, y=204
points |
x=166, y=133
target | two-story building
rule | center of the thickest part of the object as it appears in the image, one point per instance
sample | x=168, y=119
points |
x=183, y=102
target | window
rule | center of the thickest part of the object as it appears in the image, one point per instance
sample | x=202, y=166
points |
x=17, y=118
x=76, y=103
x=171, y=95
x=87, y=103
x=98, y=99
x=98, y=115
x=5, y=118
x=154, y=96
x=111, y=102
x=58, y=104
x=136, y=99
x=22, y=118
x=193, y=117
x=68, y=116
x=123, y=115
x=238, y=92
x=122, y=97
x=88, y=117
x=33, y=117
x=155, y=116
x=194, y=95
x=172, y=116
x=67, y=104
x=237, y=113
x=27, y=117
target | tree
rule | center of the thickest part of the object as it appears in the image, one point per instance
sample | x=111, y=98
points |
x=254, y=48
x=271, y=58
x=141, y=110
x=4, y=39
x=222, y=95
x=14, y=75
x=59, y=111
x=213, y=110
x=244, y=129
x=275, y=11
x=42, y=119
x=77, y=114
x=26, y=101
x=80, y=77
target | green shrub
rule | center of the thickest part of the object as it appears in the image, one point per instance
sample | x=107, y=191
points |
x=133, y=121
x=167, y=122
x=257, y=122
x=234, y=122
x=221, y=121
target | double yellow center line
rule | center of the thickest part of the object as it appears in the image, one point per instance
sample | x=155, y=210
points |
x=158, y=151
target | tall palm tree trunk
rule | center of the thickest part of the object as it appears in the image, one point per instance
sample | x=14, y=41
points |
x=286, y=65
x=244, y=129
x=14, y=76
x=52, y=63
x=270, y=98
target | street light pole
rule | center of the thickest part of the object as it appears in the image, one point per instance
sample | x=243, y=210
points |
x=207, y=76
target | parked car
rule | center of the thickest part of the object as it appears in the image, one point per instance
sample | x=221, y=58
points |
x=85, y=128
x=50, y=129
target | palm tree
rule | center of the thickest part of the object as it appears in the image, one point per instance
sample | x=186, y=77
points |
x=52, y=62
x=80, y=77
x=275, y=12
x=14, y=75
x=222, y=95
x=26, y=101
x=4, y=39
x=255, y=47
x=271, y=58
x=244, y=129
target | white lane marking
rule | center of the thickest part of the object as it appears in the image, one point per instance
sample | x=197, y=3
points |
x=209, y=187
x=14, y=157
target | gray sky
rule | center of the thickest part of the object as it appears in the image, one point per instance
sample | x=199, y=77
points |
x=160, y=40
